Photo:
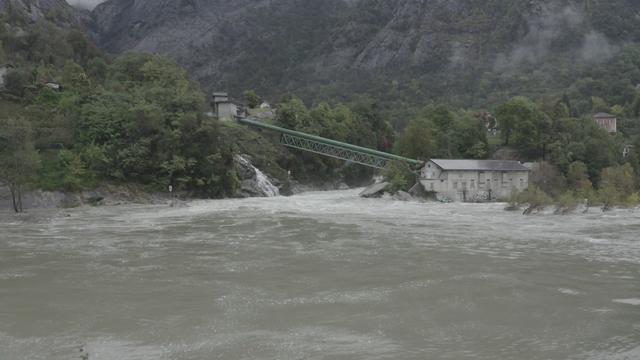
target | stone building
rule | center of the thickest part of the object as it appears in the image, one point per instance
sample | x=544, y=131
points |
x=607, y=122
x=223, y=108
x=474, y=180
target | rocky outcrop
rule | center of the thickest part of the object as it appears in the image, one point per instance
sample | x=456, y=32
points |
x=57, y=11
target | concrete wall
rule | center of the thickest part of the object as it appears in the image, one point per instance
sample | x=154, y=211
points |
x=473, y=185
x=227, y=111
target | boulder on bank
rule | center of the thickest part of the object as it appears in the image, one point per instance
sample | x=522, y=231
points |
x=375, y=190
x=402, y=196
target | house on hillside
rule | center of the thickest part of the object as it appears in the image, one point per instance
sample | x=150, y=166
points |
x=4, y=70
x=265, y=105
x=53, y=86
x=607, y=122
x=474, y=180
x=223, y=108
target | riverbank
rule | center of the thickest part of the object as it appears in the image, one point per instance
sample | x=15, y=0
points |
x=104, y=195
x=119, y=194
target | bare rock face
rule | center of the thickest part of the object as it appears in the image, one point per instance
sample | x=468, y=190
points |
x=339, y=47
x=287, y=44
x=37, y=9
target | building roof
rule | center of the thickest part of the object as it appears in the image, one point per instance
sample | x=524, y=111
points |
x=603, y=115
x=480, y=165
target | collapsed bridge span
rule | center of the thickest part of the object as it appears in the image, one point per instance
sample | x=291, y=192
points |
x=335, y=149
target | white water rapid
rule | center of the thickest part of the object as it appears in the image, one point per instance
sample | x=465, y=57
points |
x=261, y=183
x=325, y=275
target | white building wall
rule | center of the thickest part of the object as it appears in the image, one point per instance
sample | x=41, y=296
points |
x=227, y=111
x=473, y=185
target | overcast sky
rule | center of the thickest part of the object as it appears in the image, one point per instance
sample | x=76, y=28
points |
x=87, y=4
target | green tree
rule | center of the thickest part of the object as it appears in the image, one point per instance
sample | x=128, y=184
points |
x=18, y=158
x=292, y=114
x=399, y=176
x=75, y=175
x=253, y=100
x=16, y=82
x=599, y=105
x=417, y=141
x=74, y=77
x=578, y=177
x=510, y=114
x=522, y=121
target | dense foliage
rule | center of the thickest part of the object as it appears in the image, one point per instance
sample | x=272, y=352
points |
x=359, y=122
x=136, y=119
x=578, y=159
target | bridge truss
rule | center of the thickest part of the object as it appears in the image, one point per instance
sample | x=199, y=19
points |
x=333, y=151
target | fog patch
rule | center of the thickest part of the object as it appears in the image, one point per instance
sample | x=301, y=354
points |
x=85, y=4
x=596, y=47
x=458, y=56
x=550, y=27
x=550, y=24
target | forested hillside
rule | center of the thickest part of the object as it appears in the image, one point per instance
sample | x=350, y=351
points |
x=72, y=118
x=458, y=79
x=472, y=54
x=80, y=118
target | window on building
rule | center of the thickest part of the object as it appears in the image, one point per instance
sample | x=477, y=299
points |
x=473, y=184
x=431, y=186
x=455, y=184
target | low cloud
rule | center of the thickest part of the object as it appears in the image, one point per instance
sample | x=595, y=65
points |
x=548, y=28
x=458, y=56
x=544, y=28
x=596, y=47
x=85, y=4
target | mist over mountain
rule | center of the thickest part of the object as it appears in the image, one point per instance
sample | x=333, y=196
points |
x=85, y=4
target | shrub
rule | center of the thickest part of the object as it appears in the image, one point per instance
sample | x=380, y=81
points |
x=399, y=176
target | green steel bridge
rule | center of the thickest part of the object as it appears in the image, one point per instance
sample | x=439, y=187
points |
x=332, y=148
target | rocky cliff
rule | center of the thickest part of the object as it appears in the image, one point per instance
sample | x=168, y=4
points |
x=333, y=48
x=56, y=11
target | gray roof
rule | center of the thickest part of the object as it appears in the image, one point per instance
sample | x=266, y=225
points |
x=603, y=115
x=480, y=165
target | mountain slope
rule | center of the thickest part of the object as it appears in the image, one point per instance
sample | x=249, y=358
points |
x=459, y=50
x=58, y=12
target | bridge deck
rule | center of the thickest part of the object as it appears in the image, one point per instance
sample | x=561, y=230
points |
x=332, y=148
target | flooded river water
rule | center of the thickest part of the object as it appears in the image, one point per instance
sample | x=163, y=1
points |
x=319, y=276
